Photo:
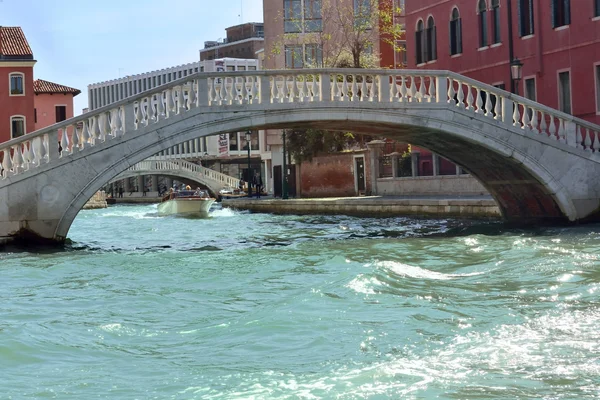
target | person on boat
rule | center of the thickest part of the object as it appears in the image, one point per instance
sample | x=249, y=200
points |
x=188, y=187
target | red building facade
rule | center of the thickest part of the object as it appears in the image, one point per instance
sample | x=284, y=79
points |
x=557, y=41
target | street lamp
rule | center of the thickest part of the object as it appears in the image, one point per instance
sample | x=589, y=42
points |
x=248, y=138
x=516, y=72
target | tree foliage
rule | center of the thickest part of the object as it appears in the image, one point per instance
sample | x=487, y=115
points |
x=305, y=144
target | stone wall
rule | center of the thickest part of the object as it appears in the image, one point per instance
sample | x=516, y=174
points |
x=446, y=185
x=98, y=200
x=332, y=175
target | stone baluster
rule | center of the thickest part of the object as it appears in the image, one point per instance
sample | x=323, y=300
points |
x=395, y=95
x=102, y=127
x=525, y=118
x=588, y=140
x=543, y=124
x=17, y=159
x=363, y=89
x=308, y=93
x=562, y=136
x=85, y=134
x=460, y=95
x=291, y=87
x=64, y=142
x=354, y=89
x=181, y=106
x=243, y=97
x=193, y=95
x=479, y=101
x=284, y=90
x=595, y=140
x=516, y=115
x=212, y=92
x=412, y=91
x=75, y=140
x=345, y=89
x=552, y=128
x=534, y=120
x=150, y=114
x=26, y=155
x=488, y=103
x=138, y=114
x=471, y=102
x=498, y=108
x=7, y=164
x=169, y=104
x=579, y=144
x=421, y=94
x=404, y=89
x=222, y=91
x=35, y=151
x=431, y=90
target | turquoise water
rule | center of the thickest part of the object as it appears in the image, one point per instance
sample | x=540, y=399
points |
x=255, y=306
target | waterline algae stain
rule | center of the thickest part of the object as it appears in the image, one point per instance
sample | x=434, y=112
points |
x=242, y=306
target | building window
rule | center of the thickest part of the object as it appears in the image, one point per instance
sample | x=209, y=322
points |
x=455, y=33
x=530, y=92
x=313, y=21
x=292, y=16
x=597, y=70
x=362, y=13
x=420, y=41
x=17, y=126
x=597, y=8
x=564, y=91
x=561, y=13
x=35, y=115
x=483, y=27
x=496, y=21
x=431, y=53
x=313, y=55
x=233, y=141
x=525, y=11
x=293, y=57
x=401, y=50
x=16, y=84
x=61, y=113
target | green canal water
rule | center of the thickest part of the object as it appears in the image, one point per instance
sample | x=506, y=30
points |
x=256, y=306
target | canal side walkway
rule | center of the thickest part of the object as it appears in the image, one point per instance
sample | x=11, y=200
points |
x=375, y=206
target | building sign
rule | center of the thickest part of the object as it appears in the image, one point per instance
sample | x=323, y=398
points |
x=223, y=144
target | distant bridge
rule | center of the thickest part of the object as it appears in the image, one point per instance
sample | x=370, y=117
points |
x=213, y=180
x=539, y=164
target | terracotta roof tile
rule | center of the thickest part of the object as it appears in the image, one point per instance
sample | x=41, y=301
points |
x=13, y=42
x=42, y=86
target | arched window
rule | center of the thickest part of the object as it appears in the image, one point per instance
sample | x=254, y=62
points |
x=483, y=26
x=17, y=126
x=496, y=21
x=17, y=84
x=431, y=40
x=455, y=33
x=420, y=45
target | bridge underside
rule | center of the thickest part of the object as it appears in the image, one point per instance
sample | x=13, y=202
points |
x=522, y=199
x=181, y=178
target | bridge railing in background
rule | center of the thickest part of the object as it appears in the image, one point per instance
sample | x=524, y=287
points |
x=262, y=88
x=206, y=174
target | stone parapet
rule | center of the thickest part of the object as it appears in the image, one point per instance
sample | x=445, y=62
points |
x=374, y=206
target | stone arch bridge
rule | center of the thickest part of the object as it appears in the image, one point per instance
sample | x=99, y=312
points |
x=539, y=164
x=211, y=179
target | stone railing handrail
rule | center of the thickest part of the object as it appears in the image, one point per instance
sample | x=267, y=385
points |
x=216, y=177
x=229, y=88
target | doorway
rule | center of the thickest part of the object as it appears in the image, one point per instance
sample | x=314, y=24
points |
x=359, y=175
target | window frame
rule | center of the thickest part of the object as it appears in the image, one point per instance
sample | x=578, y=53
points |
x=560, y=91
x=525, y=91
x=24, y=119
x=430, y=40
x=497, y=22
x=420, y=42
x=482, y=12
x=20, y=75
x=563, y=18
x=596, y=67
x=596, y=10
x=521, y=19
x=291, y=47
x=56, y=110
x=455, y=39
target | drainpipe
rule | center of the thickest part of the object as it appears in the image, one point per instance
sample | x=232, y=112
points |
x=511, y=50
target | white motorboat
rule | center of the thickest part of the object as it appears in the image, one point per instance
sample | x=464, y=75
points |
x=185, y=202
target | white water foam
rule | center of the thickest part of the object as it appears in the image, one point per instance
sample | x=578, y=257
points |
x=418, y=272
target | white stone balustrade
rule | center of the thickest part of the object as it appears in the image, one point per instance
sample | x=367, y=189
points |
x=211, y=178
x=275, y=87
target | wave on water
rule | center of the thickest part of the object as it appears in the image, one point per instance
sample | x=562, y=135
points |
x=418, y=272
x=131, y=212
x=223, y=213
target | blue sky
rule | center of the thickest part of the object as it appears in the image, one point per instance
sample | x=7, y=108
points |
x=78, y=42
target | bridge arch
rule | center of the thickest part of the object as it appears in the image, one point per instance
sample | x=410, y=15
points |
x=535, y=172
